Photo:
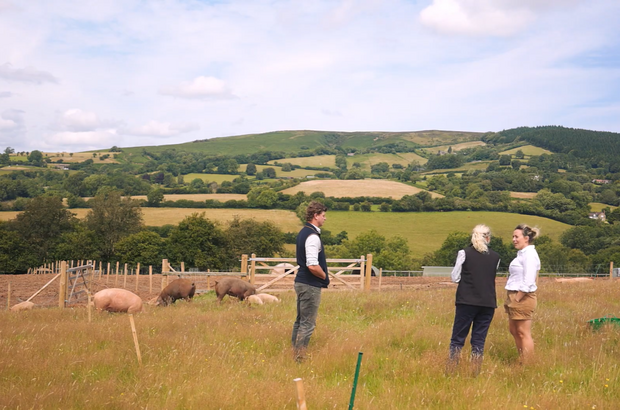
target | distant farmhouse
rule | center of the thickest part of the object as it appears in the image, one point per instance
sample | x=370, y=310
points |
x=598, y=215
x=601, y=181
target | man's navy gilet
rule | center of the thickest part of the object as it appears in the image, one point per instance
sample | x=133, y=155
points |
x=304, y=275
x=477, y=285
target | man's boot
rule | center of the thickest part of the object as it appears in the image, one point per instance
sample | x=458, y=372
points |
x=476, y=364
x=299, y=354
x=453, y=360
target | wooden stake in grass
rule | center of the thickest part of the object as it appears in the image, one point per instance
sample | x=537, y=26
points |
x=135, y=338
x=125, y=278
x=611, y=270
x=137, y=275
x=8, y=299
x=89, y=308
x=301, y=394
x=368, y=272
x=62, y=290
x=150, y=278
x=118, y=264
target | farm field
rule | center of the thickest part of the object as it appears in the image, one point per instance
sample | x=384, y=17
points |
x=315, y=161
x=528, y=150
x=296, y=173
x=194, y=197
x=233, y=356
x=368, y=160
x=598, y=207
x=523, y=195
x=455, y=147
x=470, y=166
x=426, y=231
x=353, y=188
x=219, y=178
x=81, y=157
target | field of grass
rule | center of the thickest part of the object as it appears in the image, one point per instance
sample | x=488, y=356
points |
x=528, y=150
x=598, y=207
x=296, y=173
x=316, y=161
x=219, y=178
x=470, y=166
x=195, y=197
x=368, y=160
x=523, y=195
x=233, y=356
x=353, y=188
x=455, y=147
x=426, y=231
x=81, y=157
x=293, y=141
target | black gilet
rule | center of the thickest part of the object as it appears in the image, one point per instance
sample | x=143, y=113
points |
x=477, y=285
x=303, y=274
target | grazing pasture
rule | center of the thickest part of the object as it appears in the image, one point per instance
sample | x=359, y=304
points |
x=315, y=161
x=523, y=195
x=368, y=160
x=352, y=188
x=527, y=150
x=296, y=173
x=195, y=197
x=219, y=178
x=598, y=207
x=81, y=157
x=426, y=231
x=235, y=356
x=455, y=147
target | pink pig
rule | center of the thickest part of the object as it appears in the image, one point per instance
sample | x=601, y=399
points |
x=117, y=300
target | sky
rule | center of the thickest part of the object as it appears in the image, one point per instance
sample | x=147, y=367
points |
x=80, y=75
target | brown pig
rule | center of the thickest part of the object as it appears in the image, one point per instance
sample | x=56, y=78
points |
x=117, y=300
x=22, y=306
x=177, y=289
x=233, y=287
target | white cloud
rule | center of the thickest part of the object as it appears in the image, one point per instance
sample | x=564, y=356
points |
x=86, y=139
x=486, y=17
x=76, y=120
x=26, y=75
x=199, y=88
x=159, y=129
x=5, y=94
x=12, y=126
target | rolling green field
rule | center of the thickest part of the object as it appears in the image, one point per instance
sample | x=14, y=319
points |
x=293, y=141
x=219, y=178
x=316, y=161
x=426, y=231
x=598, y=207
x=368, y=160
x=528, y=150
x=455, y=147
x=296, y=173
x=470, y=166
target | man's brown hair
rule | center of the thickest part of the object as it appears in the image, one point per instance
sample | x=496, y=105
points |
x=314, y=208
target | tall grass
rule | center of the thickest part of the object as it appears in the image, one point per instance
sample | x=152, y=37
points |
x=233, y=356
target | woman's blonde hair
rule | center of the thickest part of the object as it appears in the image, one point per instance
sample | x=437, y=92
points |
x=531, y=233
x=479, y=237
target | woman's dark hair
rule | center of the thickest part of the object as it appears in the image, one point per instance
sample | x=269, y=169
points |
x=531, y=233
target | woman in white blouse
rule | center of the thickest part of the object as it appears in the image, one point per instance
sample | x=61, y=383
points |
x=521, y=289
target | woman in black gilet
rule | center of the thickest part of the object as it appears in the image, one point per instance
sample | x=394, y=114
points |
x=476, y=301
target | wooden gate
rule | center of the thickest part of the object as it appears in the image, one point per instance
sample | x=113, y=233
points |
x=350, y=274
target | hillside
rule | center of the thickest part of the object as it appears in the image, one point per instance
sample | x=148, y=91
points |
x=295, y=141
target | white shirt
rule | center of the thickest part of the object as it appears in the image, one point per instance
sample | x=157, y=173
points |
x=458, y=266
x=523, y=270
x=313, y=247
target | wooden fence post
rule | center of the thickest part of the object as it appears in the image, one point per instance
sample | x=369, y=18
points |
x=301, y=394
x=368, y=272
x=164, y=272
x=135, y=338
x=611, y=270
x=253, y=269
x=118, y=265
x=183, y=267
x=244, y=264
x=125, y=278
x=137, y=275
x=150, y=278
x=107, y=274
x=62, y=289
x=362, y=270
x=100, y=269
x=8, y=298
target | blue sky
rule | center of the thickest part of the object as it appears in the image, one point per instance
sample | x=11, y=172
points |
x=79, y=75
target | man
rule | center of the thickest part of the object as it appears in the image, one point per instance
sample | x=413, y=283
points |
x=311, y=277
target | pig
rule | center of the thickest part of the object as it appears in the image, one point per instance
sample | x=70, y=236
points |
x=267, y=298
x=254, y=300
x=22, y=306
x=177, y=289
x=233, y=287
x=117, y=300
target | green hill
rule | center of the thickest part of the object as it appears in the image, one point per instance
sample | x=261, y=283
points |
x=296, y=141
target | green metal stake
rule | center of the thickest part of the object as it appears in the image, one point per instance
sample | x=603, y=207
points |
x=357, y=373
